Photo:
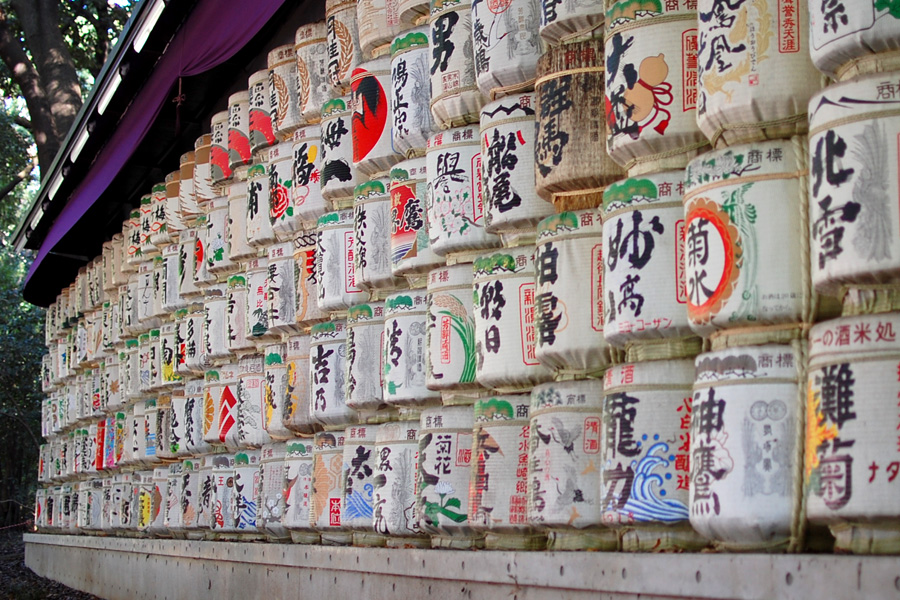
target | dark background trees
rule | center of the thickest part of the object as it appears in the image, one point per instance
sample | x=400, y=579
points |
x=50, y=52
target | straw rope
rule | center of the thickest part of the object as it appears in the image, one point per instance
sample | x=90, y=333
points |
x=574, y=36
x=867, y=116
x=524, y=86
x=654, y=163
x=649, y=22
x=564, y=72
x=662, y=349
x=868, y=65
x=760, y=127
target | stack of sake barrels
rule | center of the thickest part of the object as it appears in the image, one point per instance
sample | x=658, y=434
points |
x=355, y=312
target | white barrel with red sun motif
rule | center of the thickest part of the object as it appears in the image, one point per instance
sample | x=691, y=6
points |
x=745, y=445
x=455, y=97
x=411, y=120
x=370, y=87
x=239, y=129
x=507, y=163
x=505, y=334
x=853, y=187
x=219, y=164
x=455, y=203
x=506, y=44
x=568, y=302
x=651, y=91
x=736, y=202
x=260, y=118
x=754, y=71
x=644, y=294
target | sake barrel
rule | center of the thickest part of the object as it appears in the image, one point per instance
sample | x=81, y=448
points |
x=455, y=98
x=212, y=393
x=218, y=243
x=146, y=248
x=176, y=442
x=150, y=430
x=411, y=251
x=570, y=154
x=221, y=519
x=298, y=466
x=275, y=392
x=646, y=455
x=206, y=500
x=405, y=350
x=171, y=298
x=444, y=465
x=357, y=487
x=373, y=151
x=745, y=197
x=187, y=246
x=306, y=193
x=512, y=205
x=259, y=226
x=338, y=172
x=327, y=374
x=168, y=377
x=259, y=112
x=848, y=39
x=195, y=416
x=270, y=511
x=853, y=193
x=754, y=71
x=283, y=89
x=173, y=520
x=112, y=383
x=743, y=486
x=498, y=485
x=238, y=245
x=342, y=34
x=564, y=495
x=297, y=415
x=335, y=250
x=365, y=330
x=397, y=448
x=40, y=509
x=413, y=12
x=563, y=22
x=159, y=224
x=372, y=229
x=239, y=129
x=307, y=282
x=569, y=254
x=505, y=336
x=454, y=195
x=651, y=87
x=506, y=45
x=328, y=472
x=252, y=401
x=378, y=21
x=187, y=194
x=202, y=276
x=190, y=496
x=256, y=325
x=643, y=228
x=193, y=336
x=314, y=88
x=410, y=103
x=450, y=333
x=227, y=406
x=282, y=213
x=851, y=431
x=131, y=363
x=220, y=169
x=245, y=497
x=159, y=492
x=149, y=367
x=202, y=176
x=281, y=288
x=215, y=323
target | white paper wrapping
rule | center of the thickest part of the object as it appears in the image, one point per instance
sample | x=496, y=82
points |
x=306, y=193
x=378, y=22
x=219, y=167
x=411, y=250
x=357, y=477
x=396, y=449
x=298, y=404
x=328, y=459
x=283, y=88
x=260, y=107
x=405, y=350
x=450, y=334
x=270, y=511
x=218, y=244
x=455, y=98
x=307, y=283
x=298, y=464
x=259, y=226
x=506, y=45
x=843, y=33
x=335, y=256
x=338, y=172
x=311, y=48
x=239, y=129
x=565, y=21
x=275, y=390
x=372, y=226
x=281, y=288
x=344, y=53
x=252, y=401
x=283, y=215
x=328, y=375
x=365, y=333
x=411, y=120
x=370, y=85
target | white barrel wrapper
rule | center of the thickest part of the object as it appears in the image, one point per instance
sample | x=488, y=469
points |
x=338, y=172
x=311, y=48
x=327, y=374
x=365, y=333
x=335, y=257
x=397, y=451
x=455, y=98
x=372, y=225
x=405, y=350
x=410, y=103
x=411, y=250
x=506, y=45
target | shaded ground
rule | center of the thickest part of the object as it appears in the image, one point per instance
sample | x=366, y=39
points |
x=18, y=582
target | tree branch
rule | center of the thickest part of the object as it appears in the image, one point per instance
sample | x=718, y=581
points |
x=23, y=122
x=16, y=180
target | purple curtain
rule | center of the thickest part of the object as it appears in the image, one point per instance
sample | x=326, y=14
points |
x=214, y=32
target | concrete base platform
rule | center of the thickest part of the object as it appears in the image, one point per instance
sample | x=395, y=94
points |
x=135, y=569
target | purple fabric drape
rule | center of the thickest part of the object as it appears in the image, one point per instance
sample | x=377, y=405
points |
x=214, y=32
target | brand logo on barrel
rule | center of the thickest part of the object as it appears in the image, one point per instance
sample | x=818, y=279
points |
x=680, y=284
x=787, y=27
x=334, y=512
x=597, y=288
x=526, y=327
x=445, y=340
x=689, y=69
x=713, y=259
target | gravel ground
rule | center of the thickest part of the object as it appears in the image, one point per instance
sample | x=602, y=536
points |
x=18, y=582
